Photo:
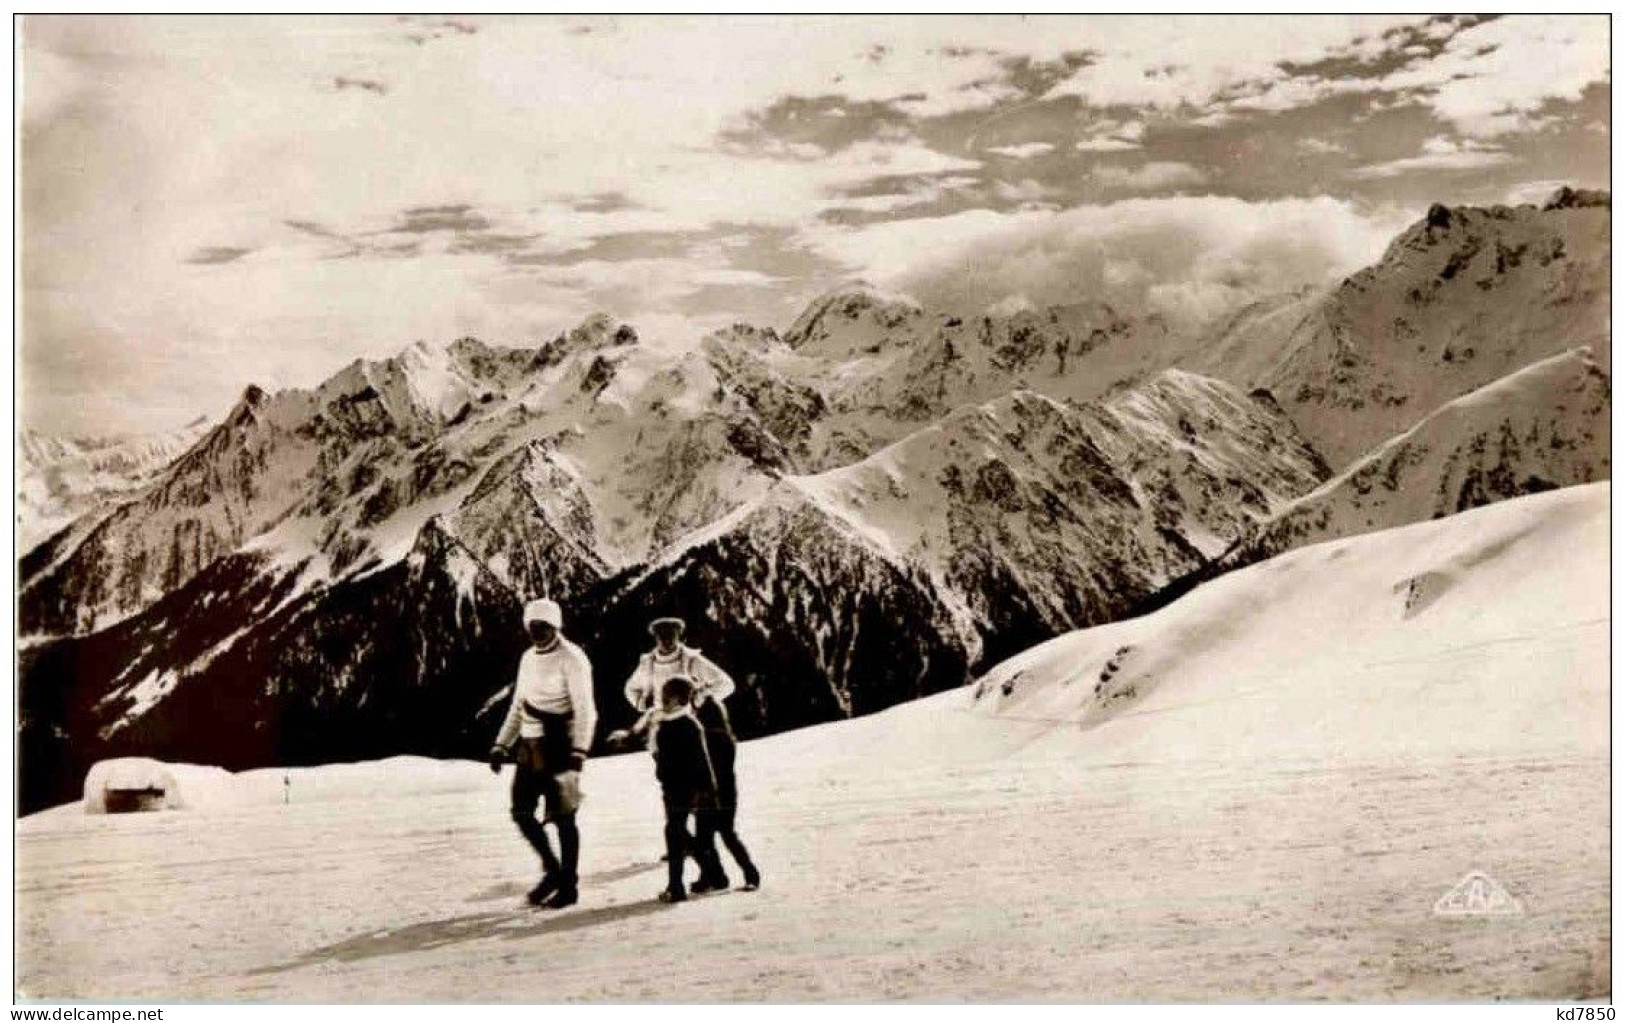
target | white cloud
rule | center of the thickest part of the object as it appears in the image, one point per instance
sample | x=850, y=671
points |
x=1321, y=147
x=1533, y=193
x=914, y=193
x=151, y=140
x=940, y=103
x=1188, y=257
x=1023, y=151
x=1170, y=62
x=1026, y=190
x=46, y=86
x=1439, y=30
x=1158, y=174
x=1010, y=305
x=1286, y=93
x=883, y=251
x=1438, y=154
x=1105, y=144
x=1113, y=136
x=1489, y=80
x=1493, y=77
x=147, y=141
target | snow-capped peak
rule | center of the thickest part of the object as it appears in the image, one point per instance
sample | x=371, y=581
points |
x=852, y=307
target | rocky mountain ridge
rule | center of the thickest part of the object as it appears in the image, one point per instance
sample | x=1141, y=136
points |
x=868, y=508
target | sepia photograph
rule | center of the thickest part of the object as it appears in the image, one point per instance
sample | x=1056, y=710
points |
x=804, y=509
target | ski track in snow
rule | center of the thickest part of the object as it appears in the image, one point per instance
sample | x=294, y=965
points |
x=1178, y=851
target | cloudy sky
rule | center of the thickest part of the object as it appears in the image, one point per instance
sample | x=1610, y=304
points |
x=212, y=202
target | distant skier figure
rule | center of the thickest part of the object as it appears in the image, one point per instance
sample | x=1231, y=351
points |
x=547, y=733
x=669, y=658
x=718, y=820
x=688, y=783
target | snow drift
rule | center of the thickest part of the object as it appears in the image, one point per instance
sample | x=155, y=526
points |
x=1482, y=631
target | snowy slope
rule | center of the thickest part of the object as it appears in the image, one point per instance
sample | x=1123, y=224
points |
x=1317, y=749
x=1479, y=632
x=530, y=522
x=1542, y=427
x=1209, y=460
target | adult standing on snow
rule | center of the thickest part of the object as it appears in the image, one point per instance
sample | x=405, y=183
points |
x=671, y=658
x=547, y=733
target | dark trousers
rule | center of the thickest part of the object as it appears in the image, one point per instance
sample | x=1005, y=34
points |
x=712, y=824
x=679, y=845
x=533, y=785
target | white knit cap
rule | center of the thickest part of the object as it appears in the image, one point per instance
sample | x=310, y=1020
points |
x=544, y=610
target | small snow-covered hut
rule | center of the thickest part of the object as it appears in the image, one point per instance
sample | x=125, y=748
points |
x=135, y=784
x=127, y=785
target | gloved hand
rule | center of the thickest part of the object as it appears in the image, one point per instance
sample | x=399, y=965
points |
x=496, y=758
x=578, y=760
x=569, y=791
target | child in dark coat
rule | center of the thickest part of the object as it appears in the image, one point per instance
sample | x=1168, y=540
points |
x=717, y=820
x=688, y=782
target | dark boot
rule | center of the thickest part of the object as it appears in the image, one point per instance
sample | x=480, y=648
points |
x=712, y=877
x=536, y=835
x=565, y=893
x=565, y=896
x=569, y=848
x=544, y=888
x=741, y=855
x=677, y=841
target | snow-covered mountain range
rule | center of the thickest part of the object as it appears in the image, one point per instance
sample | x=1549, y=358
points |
x=873, y=506
x=61, y=478
x=1459, y=300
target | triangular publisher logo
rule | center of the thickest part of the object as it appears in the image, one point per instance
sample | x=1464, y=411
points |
x=1477, y=894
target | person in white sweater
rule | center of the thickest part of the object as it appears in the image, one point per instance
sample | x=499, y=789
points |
x=548, y=733
x=671, y=658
